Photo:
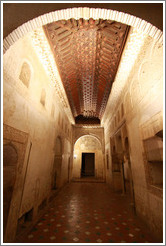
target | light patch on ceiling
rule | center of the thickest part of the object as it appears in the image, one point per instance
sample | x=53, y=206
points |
x=131, y=51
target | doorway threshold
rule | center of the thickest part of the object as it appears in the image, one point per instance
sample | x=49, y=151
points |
x=88, y=180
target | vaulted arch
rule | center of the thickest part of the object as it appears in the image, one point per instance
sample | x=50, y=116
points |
x=86, y=13
x=88, y=157
x=91, y=135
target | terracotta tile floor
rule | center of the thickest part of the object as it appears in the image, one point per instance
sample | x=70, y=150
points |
x=89, y=213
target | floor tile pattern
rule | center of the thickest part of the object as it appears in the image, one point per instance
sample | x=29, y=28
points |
x=89, y=213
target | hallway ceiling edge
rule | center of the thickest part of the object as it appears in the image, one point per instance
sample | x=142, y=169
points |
x=41, y=47
x=132, y=49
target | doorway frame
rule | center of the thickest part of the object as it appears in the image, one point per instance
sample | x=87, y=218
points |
x=93, y=162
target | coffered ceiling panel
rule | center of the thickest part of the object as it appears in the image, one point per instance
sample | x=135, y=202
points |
x=87, y=53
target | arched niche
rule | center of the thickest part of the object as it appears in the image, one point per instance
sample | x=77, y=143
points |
x=57, y=164
x=88, y=157
x=93, y=136
x=118, y=143
x=25, y=73
x=96, y=135
x=58, y=146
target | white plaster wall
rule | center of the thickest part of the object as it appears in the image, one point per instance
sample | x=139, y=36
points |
x=23, y=111
x=142, y=98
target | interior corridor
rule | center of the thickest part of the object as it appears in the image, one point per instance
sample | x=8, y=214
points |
x=83, y=127
x=89, y=213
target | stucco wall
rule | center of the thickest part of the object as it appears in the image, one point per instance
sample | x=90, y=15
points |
x=24, y=111
x=140, y=102
x=139, y=107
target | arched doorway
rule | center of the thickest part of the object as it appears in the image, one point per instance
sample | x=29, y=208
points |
x=56, y=172
x=88, y=158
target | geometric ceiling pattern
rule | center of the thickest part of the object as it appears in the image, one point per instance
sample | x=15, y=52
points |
x=87, y=54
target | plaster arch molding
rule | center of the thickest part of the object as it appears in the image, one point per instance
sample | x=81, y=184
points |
x=87, y=135
x=86, y=13
x=143, y=73
x=153, y=46
x=148, y=76
x=77, y=138
x=142, y=69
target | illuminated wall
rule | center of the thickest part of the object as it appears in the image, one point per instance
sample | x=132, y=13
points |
x=32, y=108
x=139, y=108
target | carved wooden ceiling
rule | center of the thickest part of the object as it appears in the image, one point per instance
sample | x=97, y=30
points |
x=87, y=53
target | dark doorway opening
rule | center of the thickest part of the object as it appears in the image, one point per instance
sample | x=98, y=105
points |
x=88, y=165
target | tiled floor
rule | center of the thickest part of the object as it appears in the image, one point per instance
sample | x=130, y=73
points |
x=89, y=213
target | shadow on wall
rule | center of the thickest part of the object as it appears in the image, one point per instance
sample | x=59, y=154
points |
x=57, y=165
x=121, y=166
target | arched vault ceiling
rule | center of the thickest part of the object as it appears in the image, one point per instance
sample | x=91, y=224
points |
x=87, y=54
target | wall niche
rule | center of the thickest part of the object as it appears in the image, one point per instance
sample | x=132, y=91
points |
x=154, y=154
x=25, y=74
x=152, y=137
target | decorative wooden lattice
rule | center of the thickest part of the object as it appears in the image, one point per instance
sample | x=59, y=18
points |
x=87, y=53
